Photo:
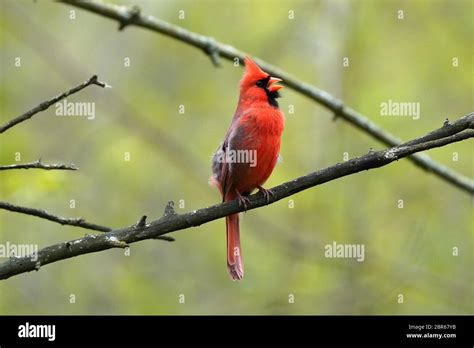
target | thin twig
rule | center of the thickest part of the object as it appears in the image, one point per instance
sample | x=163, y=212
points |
x=39, y=165
x=46, y=104
x=173, y=222
x=132, y=16
x=76, y=222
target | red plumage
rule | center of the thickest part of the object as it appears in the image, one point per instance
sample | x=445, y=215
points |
x=254, y=133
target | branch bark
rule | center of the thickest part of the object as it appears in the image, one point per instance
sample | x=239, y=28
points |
x=132, y=16
x=46, y=104
x=449, y=133
x=39, y=165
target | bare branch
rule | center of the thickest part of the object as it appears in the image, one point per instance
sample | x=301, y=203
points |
x=77, y=222
x=46, y=104
x=457, y=131
x=447, y=129
x=132, y=16
x=39, y=165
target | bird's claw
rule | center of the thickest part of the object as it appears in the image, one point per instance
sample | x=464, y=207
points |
x=243, y=201
x=268, y=194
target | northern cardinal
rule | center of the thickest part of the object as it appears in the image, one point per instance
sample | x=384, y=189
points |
x=249, y=152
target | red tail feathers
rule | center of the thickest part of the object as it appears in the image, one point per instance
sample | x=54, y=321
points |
x=234, y=253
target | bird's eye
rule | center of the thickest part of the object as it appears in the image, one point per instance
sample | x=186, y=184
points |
x=261, y=83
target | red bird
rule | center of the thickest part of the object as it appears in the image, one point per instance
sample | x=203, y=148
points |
x=249, y=152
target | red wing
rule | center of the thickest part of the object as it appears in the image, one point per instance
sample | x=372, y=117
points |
x=238, y=137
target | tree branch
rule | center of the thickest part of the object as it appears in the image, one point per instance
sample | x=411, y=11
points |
x=132, y=16
x=449, y=133
x=46, y=104
x=39, y=165
x=77, y=222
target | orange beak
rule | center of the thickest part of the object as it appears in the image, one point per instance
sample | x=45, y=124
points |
x=271, y=84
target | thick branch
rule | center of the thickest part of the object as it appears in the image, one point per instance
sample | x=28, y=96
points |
x=39, y=165
x=132, y=16
x=173, y=222
x=46, y=104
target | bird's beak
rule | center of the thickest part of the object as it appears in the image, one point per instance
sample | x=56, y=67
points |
x=271, y=84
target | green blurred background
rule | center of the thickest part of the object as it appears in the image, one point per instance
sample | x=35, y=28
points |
x=408, y=251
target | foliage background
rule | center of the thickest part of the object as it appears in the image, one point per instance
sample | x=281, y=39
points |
x=408, y=251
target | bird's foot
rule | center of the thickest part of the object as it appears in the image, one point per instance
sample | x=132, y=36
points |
x=268, y=194
x=243, y=201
